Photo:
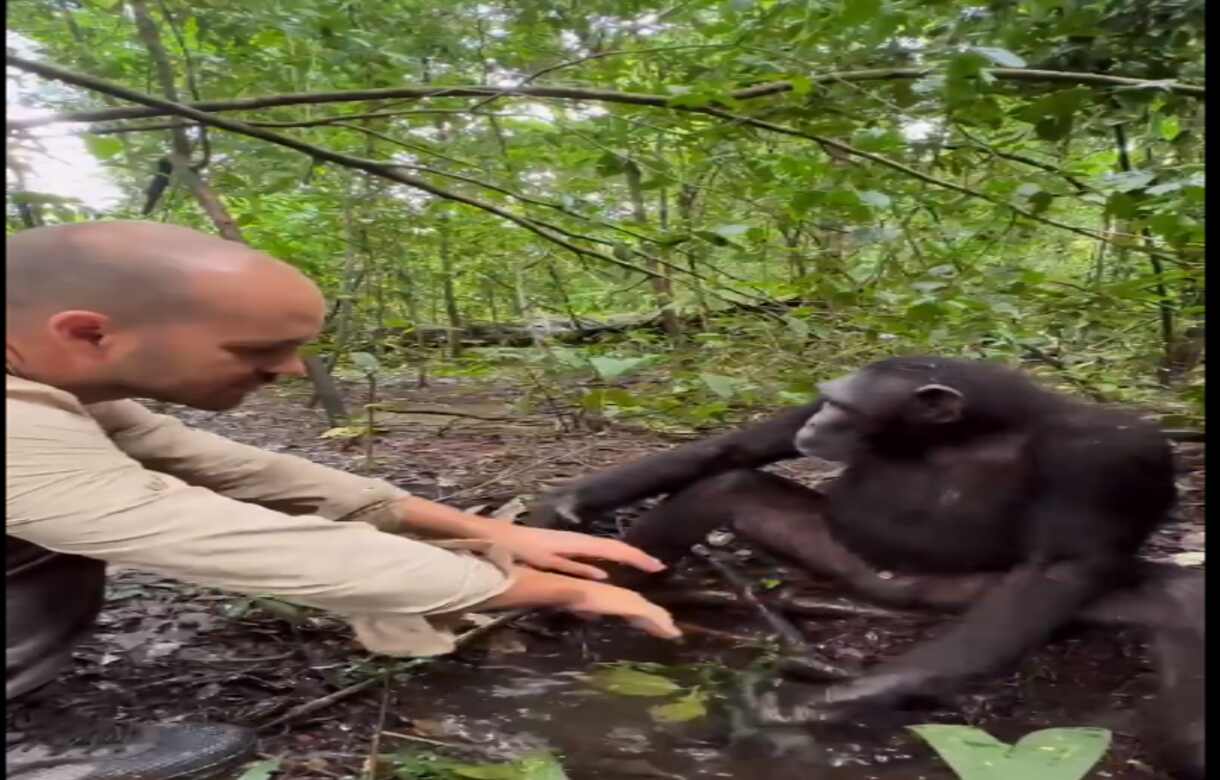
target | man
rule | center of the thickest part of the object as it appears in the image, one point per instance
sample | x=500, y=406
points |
x=100, y=313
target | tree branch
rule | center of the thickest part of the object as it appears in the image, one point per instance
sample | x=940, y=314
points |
x=382, y=170
x=597, y=95
x=943, y=183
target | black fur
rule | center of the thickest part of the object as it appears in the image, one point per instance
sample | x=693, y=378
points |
x=1023, y=509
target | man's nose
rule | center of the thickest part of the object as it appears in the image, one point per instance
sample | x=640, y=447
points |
x=292, y=366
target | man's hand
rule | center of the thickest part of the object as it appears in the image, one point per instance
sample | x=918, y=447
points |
x=554, y=550
x=601, y=599
x=533, y=588
x=537, y=547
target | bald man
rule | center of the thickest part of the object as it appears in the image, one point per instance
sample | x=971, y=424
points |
x=101, y=313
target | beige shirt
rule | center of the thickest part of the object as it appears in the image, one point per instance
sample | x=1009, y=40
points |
x=116, y=482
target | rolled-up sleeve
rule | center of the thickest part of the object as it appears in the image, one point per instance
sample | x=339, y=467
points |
x=70, y=489
x=274, y=480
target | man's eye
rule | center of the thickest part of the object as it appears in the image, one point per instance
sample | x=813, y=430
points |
x=257, y=352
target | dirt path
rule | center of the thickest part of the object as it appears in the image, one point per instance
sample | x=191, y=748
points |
x=166, y=651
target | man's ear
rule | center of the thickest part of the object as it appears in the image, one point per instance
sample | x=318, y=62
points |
x=78, y=328
x=939, y=404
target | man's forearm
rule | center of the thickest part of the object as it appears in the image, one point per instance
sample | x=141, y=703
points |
x=428, y=518
x=533, y=588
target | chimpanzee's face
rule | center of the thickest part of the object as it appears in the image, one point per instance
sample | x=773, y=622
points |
x=836, y=431
x=867, y=404
x=830, y=434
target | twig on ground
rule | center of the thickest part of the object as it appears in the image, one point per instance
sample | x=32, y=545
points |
x=468, y=747
x=800, y=653
x=788, y=603
x=424, y=740
x=788, y=633
x=465, y=639
x=370, y=765
x=511, y=472
x=694, y=628
x=310, y=707
x=445, y=413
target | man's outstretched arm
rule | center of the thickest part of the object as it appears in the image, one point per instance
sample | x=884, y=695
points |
x=296, y=486
x=69, y=489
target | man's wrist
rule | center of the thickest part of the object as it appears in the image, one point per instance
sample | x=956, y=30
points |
x=534, y=588
x=428, y=518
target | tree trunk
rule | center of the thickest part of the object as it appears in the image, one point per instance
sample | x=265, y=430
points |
x=1164, y=302
x=662, y=290
x=451, y=307
x=421, y=346
x=349, y=283
x=796, y=260
x=686, y=211
x=326, y=391
x=180, y=156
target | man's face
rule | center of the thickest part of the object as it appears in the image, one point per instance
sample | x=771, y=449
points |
x=214, y=359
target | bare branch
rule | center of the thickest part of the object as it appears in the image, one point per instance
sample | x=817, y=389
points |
x=388, y=171
x=596, y=95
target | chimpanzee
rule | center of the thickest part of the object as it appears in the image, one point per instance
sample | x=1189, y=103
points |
x=966, y=487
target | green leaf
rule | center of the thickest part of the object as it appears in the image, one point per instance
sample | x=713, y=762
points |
x=1050, y=754
x=263, y=770
x=610, y=164
x=344, y=432
x=715, y=239
x=597, y=400
x=799, y=327
x=1002, y=57
x=621, y=251
x=1170, y=127
x=723, y=386
x=875, y=199
x=1054, y=114
x=730, y=231
x=1127, y=181
x=366, y=362
x=537, y=766
x=103, y=147
x=281, y=609
x=609, y=368
x=859, y=11
x=689, y=707
x=625, y=681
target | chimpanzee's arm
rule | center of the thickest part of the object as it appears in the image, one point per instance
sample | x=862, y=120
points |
x=1019, y=613
x=750, y=447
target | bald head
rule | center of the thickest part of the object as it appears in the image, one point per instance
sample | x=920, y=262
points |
x=131, y=271
x=117, y=309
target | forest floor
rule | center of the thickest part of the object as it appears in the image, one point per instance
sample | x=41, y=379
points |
x=165, y=651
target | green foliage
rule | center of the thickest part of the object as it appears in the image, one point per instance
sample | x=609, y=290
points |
x=262, y=770
x=1050, y=754
x=650, y=681
x=429, y=766
x=625, y=681
x=881, y=258
x=692, y=706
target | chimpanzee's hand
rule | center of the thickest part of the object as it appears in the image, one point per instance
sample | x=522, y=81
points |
x=833, y=703
x=553, y=550
x=555, y=509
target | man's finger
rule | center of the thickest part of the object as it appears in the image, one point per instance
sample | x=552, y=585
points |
x=659, y=624
x=621, y=552
x=566, y=566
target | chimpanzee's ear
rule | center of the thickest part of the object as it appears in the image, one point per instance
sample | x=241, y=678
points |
x=938, y=404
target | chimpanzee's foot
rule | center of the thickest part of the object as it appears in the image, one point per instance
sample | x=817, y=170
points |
x=1176, y=724
x=176, y=752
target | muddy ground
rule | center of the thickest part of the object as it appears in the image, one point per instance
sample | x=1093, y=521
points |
x=165, y=651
